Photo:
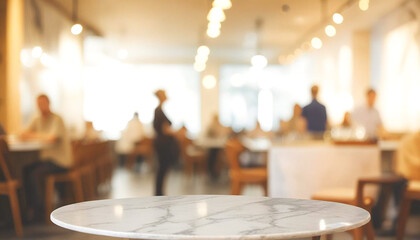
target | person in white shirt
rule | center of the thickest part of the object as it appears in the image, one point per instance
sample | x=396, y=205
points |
x=47, y=127
x=368, y=117
x=132, y=133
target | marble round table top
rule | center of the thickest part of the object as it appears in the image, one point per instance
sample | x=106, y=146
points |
x=209, y=217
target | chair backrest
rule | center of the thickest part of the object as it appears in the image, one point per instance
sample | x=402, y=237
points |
x=233, y=148
x=385, y=180
x=4, y=154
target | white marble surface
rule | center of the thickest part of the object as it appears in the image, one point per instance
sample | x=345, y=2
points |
x=299, y=171
x=209, y=217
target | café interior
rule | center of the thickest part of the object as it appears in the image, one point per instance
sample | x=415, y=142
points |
x=299, y=99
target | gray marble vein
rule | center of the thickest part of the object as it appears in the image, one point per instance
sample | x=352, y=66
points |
x=209, y=217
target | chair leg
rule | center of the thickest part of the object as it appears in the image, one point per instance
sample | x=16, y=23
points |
x=264, y=185
x=49, y=197
x=402, y=218
x=235, y=187
x=78, y=189
x=316, y=238
x=14, y=204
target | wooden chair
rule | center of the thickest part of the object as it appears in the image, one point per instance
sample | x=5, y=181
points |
x=357, y=198
x=143, y=148
x=9, y=187
x=191, y=157
x=74, y=177
x=241, y=176
x=411, y=193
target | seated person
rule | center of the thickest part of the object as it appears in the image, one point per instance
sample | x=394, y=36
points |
x=296, y=124
x=216, y=129
x=257, y=132
x=132, y=134
x=47, y=127
x=346, y=121
x=91, y=134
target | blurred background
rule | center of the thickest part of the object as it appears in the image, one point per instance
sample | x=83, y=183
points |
x=230, y=70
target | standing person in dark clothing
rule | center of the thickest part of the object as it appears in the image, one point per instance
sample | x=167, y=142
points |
x=315, y=115
x=165, y=143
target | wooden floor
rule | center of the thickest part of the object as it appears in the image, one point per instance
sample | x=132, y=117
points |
x=139, y=184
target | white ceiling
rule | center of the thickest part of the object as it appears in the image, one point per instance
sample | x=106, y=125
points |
x=164, y=29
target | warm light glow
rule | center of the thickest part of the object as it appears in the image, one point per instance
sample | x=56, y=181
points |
x=46, y=60
x=216, y=15
x=265, y=109
x=213, y=33
x=203, y=50
x=76, y=29
x=209, y=82
x=259, y=61
x=223, y=4
x=316, y=43
x=25, y=58
x=298, y=52
x=122, y=54
x=364, y=5
x=330, y=31
x=118, y=211
x=338, y=18
x=199, y=66
x=36, y=52
x=214, y=25
x=201, y=58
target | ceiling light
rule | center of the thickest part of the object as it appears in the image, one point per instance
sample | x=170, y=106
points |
x=199, y=67
x=214, y=25
x=213, y=33
x=364, y=5
x=316, y=43
x=201, y=58
x=76, y=29
x=223, y=4
x=337, y=18
x=330, y=31
x=216, y=15
x=259, y=61
x=122, y=54
x=36, y=52
x=209, y=82
x=203, y=50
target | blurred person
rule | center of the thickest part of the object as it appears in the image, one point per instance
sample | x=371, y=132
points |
x=132, y=133
x=346, y=121
x=247, y=158
x=165, y=143
x=296, y=123
x=91, y=134
x=46, y=127
x=408, y=157
x=257, y=132
x=368, y=117
x=216, y=129
x=315, y=115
